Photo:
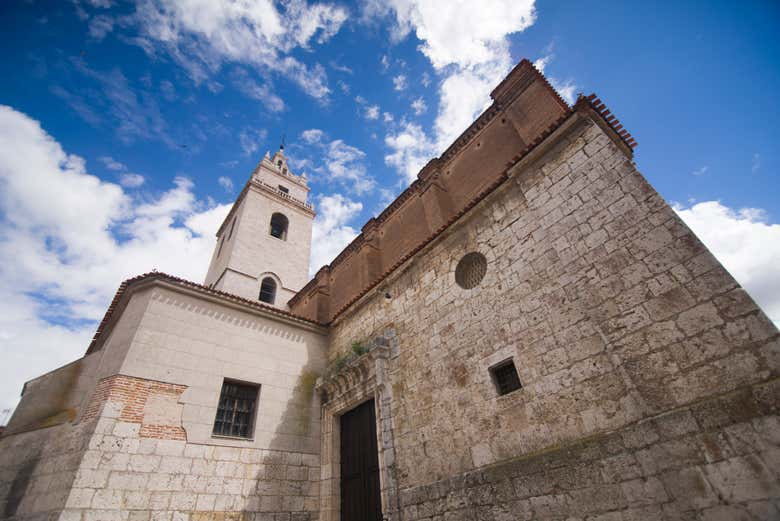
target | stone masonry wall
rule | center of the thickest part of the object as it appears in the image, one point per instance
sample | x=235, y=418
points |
x=612, y=310
x=38, y=468
x=716, y=460
x=133, y=472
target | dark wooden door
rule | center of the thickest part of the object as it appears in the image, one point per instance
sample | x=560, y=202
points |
x=360, y=499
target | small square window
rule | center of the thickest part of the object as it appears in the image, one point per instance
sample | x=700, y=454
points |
x=236, y=409
x=284, y=189
x=505, y=377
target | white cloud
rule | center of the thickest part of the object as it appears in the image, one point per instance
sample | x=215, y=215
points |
x=410, y=150
x=747, y=245
x=201, y=35
x=467, y=43
x=336, y=161
x=134, y=113
x=100, y=26
x=461, y=32
x=387, y=117
x=254, y=90
x=69, y=238
x=112, y=164
x=425, y=79
x=756, y=163
x=345, y=163
x=313, y=135
x=372, y=112
x=130, y=180
x=399, y=82
x=226, y=183
x=330, y=231
x=127, y=179
x=566, y=88
x=340, y=68
x=385, y=62
x=700, y=171
x=251, y=139
x=419, y=106
x=168, y=90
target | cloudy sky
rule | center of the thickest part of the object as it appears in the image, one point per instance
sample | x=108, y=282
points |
x=127, y=128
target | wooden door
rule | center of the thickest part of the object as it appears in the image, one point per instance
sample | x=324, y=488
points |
x=360, y=498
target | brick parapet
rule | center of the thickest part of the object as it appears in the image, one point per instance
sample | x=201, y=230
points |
x=527, y=107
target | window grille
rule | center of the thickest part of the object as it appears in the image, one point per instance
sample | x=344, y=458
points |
x=268, y=290
x=236, y=410
x=471, y=270
x=505, y=377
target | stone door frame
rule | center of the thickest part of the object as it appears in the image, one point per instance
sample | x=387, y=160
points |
x=358, y=381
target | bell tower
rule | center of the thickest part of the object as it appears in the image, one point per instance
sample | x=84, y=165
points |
x=263, y=246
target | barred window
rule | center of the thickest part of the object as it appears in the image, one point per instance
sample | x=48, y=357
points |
x=236, y=409
x=505, y=377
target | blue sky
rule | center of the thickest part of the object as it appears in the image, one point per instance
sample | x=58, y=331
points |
x=127, y=128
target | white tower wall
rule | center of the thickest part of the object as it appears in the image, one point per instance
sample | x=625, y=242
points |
x=246, y=252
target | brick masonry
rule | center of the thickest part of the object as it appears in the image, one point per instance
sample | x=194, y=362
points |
x=132, y=395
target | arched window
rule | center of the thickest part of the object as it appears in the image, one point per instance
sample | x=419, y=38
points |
x=279, y=226
x=268, y=290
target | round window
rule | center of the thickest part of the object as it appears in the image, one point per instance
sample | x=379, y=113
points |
x=471, y=270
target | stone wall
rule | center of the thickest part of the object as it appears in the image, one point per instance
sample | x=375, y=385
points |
x=612, y=310
x=38, y=468
x=139, y=446
x=715, y=460
x=194, y=342
x=134, y=469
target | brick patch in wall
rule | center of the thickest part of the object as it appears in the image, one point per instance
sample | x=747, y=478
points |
x=134, y=395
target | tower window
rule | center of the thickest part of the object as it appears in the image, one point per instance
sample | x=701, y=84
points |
x=279, y=226
x=279, y=163
x=236, y=410
x=268, y=290
x=505, y=377
x=284, y=189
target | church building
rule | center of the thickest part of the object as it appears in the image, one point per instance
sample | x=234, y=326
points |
x=527, y=332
